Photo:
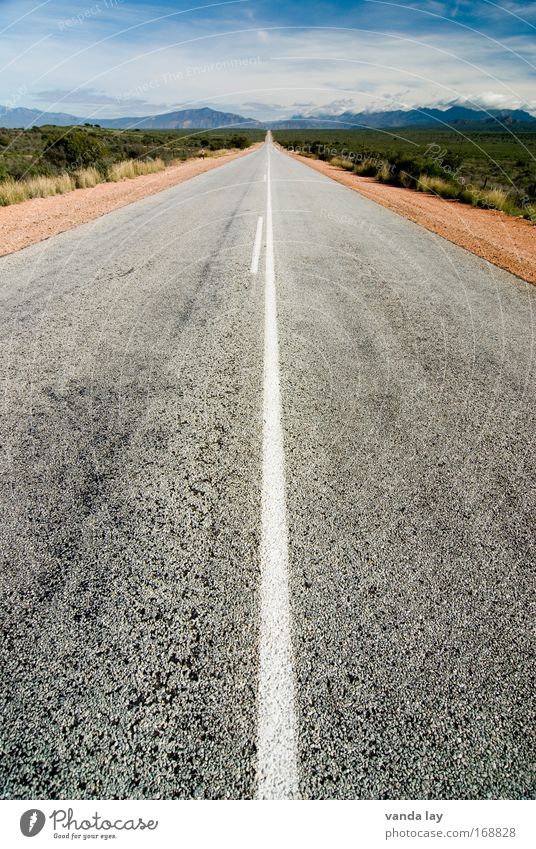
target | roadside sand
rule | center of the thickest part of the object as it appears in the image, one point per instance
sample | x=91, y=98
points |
x=31, y=221
x=501, y=239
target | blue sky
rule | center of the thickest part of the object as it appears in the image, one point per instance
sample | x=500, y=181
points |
x=101, y=58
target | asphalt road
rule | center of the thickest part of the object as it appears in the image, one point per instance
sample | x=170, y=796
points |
x=190, y=482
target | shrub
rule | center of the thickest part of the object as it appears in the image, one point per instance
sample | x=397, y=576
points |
x=75, y=149
x=237, y=141
x=367, y=168
x=445, y=168
x=404, y=171
x=407, y=179
x=466, y=196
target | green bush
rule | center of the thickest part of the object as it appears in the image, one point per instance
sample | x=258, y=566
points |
x=406, y=171
x=367, y=168
x=74, y=149
x=241, y=142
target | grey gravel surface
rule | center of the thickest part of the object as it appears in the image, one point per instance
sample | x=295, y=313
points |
x=131, y=430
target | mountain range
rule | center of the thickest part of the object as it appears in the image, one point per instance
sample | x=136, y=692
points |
x=201, y=119
x=206, y=118
x=454, y=116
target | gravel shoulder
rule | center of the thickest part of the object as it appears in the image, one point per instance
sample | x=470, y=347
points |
x=507, y=242
x=24, y=224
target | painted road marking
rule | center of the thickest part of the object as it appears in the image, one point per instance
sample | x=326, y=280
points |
x=277, y=771
x=256, y=247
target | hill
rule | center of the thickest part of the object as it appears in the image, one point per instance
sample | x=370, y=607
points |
x=211, y=119
x=454, y=116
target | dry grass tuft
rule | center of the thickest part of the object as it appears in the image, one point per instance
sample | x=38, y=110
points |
x=438, y=186
x=12, y=191
x=494, y=199
x=347, y=164
x=384, y=174
x=134, y=168
x=16, y=191
x=87, y=178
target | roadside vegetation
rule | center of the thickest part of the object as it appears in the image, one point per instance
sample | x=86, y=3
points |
x=45, y=161
x=487, y=169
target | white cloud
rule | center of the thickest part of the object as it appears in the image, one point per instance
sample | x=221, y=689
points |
x=277, y=71
x=496, y=100
x=341, y=104
x=86, y=96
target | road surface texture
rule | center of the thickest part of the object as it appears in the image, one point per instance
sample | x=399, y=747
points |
x=251, y=551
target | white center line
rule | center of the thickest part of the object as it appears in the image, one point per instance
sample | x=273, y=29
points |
x=277, y=771
x=256, y=247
